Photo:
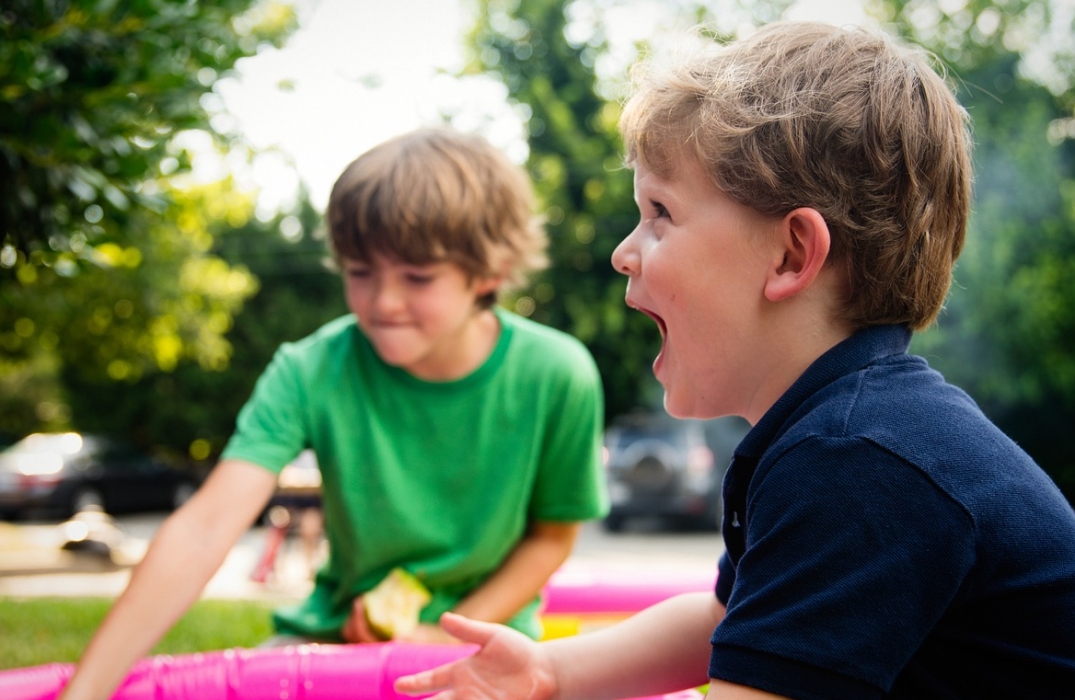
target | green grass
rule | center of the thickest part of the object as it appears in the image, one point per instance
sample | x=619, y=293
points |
x=36, y=631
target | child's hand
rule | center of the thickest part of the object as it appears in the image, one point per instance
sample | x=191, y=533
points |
x=508, y=666
x=356, y=630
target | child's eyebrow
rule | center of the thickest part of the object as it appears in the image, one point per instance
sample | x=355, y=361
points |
x=649, y=189
x=659, y=192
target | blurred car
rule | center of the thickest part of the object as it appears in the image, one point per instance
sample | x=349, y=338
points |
x=299, y=484
x=656, y=465
x=69, y=472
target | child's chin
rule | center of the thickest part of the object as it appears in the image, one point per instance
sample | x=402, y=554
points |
x=673, y=409
x=397, y=361
x=393, y=354
x=683, y=407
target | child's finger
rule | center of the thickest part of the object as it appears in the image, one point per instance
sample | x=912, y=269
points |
x=467, y=630
x=355, y=630
x=427, y=681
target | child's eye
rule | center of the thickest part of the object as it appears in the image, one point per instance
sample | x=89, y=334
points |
x=358, y=272
x=659, y=210
x=419, y=279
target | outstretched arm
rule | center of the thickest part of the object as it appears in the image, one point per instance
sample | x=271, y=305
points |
x=661, y=649
x=185, y=553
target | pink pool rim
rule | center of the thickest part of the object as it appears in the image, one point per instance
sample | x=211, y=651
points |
x=303, y=672
x=351, y=672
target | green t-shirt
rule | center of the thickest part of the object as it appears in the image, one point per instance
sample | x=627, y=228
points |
x=440, y=478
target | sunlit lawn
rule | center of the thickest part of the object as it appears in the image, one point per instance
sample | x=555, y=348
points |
x=37, y=631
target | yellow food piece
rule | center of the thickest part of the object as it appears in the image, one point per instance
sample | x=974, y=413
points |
x=393, y=606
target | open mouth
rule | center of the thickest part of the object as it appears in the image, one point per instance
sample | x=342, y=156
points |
x=656, y=319
x=661, y=327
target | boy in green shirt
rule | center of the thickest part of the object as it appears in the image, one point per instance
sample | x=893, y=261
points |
x=456, y=440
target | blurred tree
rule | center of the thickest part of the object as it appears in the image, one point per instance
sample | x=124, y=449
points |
x=190, y=412
x=1008, y=334
x=134, y=311
x=585, y=192
x=107, y=274
x=299, y=292
x=95, y=93
x=1009, y=328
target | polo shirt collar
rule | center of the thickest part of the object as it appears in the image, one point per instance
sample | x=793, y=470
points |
x=861, y=349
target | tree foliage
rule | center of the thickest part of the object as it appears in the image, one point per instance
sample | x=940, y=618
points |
x=1008, y=334
x=132, y=311
x=585, y=192
x=190, y=410
x=94, y=93
x=107, y=269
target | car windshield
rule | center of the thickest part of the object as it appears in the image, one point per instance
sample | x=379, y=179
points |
x=62, y=443
x=42, y=453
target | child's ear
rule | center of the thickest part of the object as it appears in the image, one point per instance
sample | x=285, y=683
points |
x=487, y=285
x=802, y=251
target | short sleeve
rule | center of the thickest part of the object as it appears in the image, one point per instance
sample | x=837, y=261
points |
x=852, y=556
x=570, y=483
x=270, y=430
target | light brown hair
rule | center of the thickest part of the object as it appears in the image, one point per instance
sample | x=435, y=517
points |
x=845, y=121
x=438, y=195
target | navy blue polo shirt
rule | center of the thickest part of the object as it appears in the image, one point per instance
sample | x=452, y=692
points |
x=886, y=540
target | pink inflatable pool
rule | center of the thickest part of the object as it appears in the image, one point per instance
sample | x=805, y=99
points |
x=306, y=672
x=589, y=590
x=574, y=598
x=583, y=599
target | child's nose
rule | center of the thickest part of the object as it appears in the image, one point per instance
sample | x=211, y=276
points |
x=387, y=297
x=625, y=258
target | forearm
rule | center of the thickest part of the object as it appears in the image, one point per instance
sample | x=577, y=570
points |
x=659, y=650
x=162, y=587
x=523, y=574
x=188, y=548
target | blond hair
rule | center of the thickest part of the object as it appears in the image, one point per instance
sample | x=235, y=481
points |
x=844, y=121
x=435, y=195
